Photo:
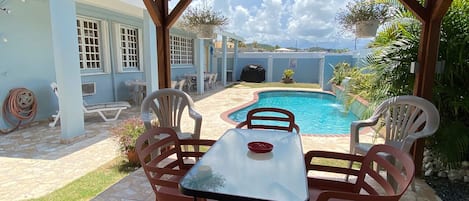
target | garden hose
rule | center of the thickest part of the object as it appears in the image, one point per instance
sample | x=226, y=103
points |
x=20, y=105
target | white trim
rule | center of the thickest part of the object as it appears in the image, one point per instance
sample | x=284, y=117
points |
x=106, y=55
x=118, y=46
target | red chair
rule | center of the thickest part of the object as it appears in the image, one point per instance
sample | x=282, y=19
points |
x=275, y=114
x=165, y=163
x=369, y=185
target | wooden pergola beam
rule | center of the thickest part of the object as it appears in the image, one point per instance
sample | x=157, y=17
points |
x=416, y=8
x=431, y=15
x=163, y=20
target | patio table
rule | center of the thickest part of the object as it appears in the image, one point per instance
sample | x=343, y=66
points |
x=230, y=171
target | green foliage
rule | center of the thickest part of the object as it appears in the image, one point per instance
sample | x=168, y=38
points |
x=363, y=10
x=451, y=140
x=288, y=73
x=397, y=46
x=127, y=133
x=196, y=16
x=341, y=70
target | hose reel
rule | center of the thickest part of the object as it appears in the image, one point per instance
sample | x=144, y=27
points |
x=20, y=105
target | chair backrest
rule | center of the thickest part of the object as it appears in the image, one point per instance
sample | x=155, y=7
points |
x=400, y=172
x=260, y=118
x=168, y=106
x=369, y=183
x=162, y=159
x=407, y=116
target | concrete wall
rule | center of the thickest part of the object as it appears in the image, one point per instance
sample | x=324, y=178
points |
x=310, y=67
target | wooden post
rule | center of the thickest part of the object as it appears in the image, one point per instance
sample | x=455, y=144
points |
x=159, y=13
x=431, y=16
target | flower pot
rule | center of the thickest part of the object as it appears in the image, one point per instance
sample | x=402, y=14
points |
x=206, y=31
x=132, y=157
x=366, y=29
x=287, y=80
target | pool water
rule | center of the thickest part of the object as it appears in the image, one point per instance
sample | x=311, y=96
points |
x=315, y=112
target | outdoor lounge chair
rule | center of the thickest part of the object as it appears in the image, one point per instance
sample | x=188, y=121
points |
x=370, y=185
x=165, y=163
x=256, y=120
x=99, y=108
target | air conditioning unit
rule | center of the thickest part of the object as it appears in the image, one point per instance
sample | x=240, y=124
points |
x=88, y=89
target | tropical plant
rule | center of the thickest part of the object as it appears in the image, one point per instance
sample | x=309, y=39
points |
x=288, y=73
x=363, y=10
x=397, y=46
x=127, y=133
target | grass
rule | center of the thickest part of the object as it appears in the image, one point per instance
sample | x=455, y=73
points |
x=276, y=84
x=93, y=183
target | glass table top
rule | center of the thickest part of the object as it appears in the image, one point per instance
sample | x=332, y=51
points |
x=229, y=170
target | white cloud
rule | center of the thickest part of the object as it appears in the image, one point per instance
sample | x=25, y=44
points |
x=282, y=22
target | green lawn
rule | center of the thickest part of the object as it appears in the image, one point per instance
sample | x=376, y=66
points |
x=93, y=183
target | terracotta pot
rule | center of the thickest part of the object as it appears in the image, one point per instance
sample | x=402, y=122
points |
x=287, y=80
x=366, y=29
x=132, y=157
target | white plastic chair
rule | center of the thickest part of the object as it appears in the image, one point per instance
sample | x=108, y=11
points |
x=168, y=106
x=99, y=108
x=405, y=118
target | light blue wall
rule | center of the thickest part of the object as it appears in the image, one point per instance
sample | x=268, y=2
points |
x=26, y=60
x=110, y=86
x=306, y=70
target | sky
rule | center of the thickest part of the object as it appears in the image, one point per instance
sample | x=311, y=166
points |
x=286, y=23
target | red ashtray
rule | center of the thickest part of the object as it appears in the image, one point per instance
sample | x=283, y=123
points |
x=260, y=147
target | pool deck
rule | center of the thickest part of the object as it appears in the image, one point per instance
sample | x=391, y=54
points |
x=35, y=163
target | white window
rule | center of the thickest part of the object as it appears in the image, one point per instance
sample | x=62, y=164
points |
x=129, y=53
x=181, y=50
x=89, y=44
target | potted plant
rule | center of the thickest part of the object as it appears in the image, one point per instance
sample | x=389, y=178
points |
x=365, y=16
x=126, y=133
x=288, y=76
x=203, y=21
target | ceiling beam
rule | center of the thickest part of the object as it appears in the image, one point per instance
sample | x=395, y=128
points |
x=177, y=11
x=416, y=8
x=163, y=20
x=154, y=12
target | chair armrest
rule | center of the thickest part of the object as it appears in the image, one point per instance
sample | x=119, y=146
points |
x=332, y=155
x=198, y=122
x=355, y=130
x=327, y=195
x=242, y=124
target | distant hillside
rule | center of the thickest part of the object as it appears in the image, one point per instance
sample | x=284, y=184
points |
x=321, y=49
x=265, y=47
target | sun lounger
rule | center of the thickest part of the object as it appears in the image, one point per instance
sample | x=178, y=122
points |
x=99, y=108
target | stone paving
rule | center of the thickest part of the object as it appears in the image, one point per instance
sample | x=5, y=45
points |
x=34, y=163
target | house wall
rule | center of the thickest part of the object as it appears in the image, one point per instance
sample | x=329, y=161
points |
x=26, y=60
x=110, y=85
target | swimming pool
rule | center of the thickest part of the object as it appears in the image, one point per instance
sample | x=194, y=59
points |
x=315, y=112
